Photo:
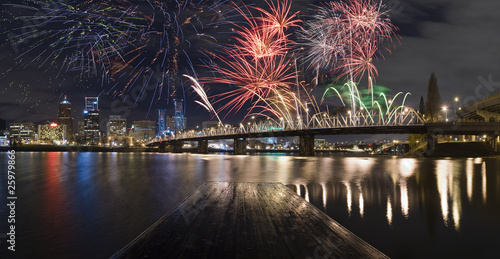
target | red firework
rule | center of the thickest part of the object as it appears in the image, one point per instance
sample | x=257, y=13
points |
x=257, y=63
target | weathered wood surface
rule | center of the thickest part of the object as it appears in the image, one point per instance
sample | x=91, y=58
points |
x=246, y=220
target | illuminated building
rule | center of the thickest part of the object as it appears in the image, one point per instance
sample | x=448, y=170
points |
x=143, y=131
x=24, y=131
x=91, y=133
x=64, y=118
x=116, y=130
x=161, y=122
x=180, y=120
x=52, y=133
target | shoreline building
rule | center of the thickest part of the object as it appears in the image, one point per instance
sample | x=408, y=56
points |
x=143, y=131
x=117, y=131
x=180, y=120
x=91, y=132
x=52, y=133
x=64, y=118
x=22, y=131
x=162, y=130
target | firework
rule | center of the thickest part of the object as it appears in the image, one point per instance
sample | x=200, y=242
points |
x=344, y=37
x=257, y=63
x=121, y=42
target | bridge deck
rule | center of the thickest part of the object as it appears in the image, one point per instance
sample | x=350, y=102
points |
x=246, y=220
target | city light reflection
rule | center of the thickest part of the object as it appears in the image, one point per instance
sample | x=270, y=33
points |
x=469, y=171
x=483, y=182
x=349, y=197
x=323, y=189
x=389, y=211
x=361, y=200
x=443, y=174
x=404, y=197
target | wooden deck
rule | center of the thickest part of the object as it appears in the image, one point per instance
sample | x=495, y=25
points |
x=246, y=220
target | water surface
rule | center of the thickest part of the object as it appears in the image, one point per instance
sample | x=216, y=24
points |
x=89, y=205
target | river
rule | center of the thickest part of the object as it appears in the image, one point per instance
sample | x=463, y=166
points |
x=89, y=205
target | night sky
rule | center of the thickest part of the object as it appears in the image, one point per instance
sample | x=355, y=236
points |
x=457, y=40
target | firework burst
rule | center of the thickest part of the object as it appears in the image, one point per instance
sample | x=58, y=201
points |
x=121, y=42
x=344, y=37
x=257, y=63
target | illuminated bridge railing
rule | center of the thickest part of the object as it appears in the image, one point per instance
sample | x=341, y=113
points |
x=407, y=116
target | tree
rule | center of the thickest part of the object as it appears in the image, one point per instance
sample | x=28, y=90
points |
x=421, y=108
x=433, y=104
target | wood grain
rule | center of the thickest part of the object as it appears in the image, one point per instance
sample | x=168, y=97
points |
x=246, y=220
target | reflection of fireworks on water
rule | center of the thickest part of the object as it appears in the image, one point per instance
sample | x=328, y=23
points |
x=120, y=42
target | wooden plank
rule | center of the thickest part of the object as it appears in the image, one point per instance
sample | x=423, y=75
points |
x=246, y=220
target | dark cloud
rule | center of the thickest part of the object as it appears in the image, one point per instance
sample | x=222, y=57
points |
x=460, y=46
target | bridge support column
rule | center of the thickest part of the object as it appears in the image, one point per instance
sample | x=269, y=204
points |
x=432, y=142
x=162, y=147
x=494, y=143
x=306, y=145
x=240, y=146
x=177, y=146
x=203, y=146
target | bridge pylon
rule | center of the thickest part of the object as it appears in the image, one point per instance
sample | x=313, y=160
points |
x=432, y=143
x=306, y=145
x=203, y=146
x=240, y=146
x=177, y=146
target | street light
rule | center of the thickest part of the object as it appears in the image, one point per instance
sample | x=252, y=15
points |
x=445, y=109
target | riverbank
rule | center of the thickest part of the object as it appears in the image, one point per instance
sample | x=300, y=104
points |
x=56, y=148
x=455, y=149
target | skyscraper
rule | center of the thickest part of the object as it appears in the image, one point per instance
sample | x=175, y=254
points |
x=64, y=118
x=91, y=103
x=92, y=135
x=161, y=122
x=180, y=120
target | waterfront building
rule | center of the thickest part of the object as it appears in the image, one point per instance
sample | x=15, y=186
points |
x=170, y=124
x=4, y=138
x=117, y=131
x=80, y=133
x=143, y=131
x=64, y=118
x=91, y=132
x=23, y=131
x=52, y=133
x=180, y=120
x=162, y=123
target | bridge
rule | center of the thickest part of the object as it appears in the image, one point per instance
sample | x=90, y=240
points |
x=487, y=110
x=407, y=121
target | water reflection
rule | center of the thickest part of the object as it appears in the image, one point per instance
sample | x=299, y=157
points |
x=483, y=178
x=406, y=181
x=389, y=211
x=108, y=199
x=469, y=171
